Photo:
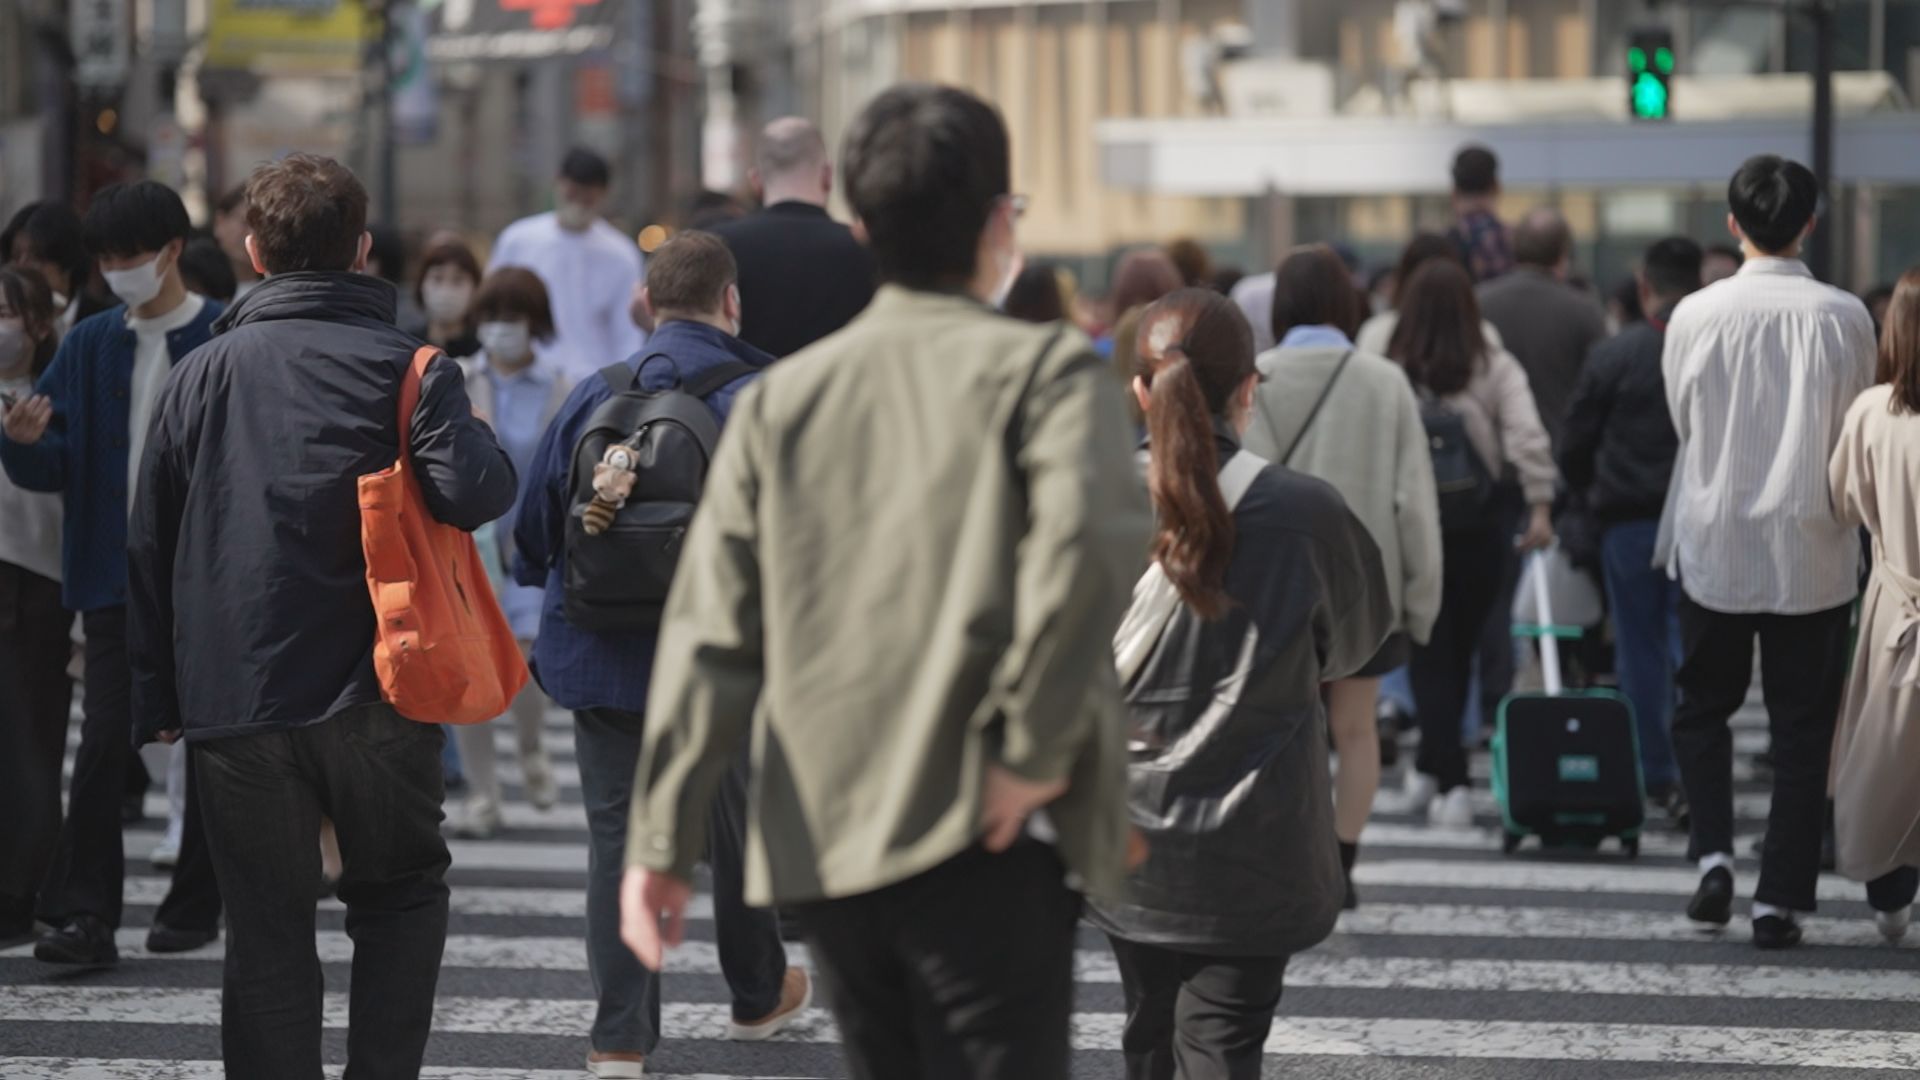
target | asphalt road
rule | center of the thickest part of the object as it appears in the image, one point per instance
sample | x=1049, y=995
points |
x=1461, y=963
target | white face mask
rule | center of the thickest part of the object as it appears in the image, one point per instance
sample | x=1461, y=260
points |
x=137, y=286
x=446, y=303
x=506, y=341
x=16, y=348
x=574, y=216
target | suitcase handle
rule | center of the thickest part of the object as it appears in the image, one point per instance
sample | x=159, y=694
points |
x=1549, y=642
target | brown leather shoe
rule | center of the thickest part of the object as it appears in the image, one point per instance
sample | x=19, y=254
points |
x=796, y=993
x=616, y=1066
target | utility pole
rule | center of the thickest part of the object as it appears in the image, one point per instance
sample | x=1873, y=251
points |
x=389, y=191
x=1820, y=247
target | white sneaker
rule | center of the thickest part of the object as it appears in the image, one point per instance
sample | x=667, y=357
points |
x=1419, y=790
x=479, y=821
x=1454, y=810
x=1893, y=924
x=167, y=854
x=616, y=1066
x=796, y=993
x=542, y=791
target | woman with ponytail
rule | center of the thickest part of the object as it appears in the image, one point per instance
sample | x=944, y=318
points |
x=1263, y=586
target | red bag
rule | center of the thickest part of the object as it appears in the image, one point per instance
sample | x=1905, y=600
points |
x=442, y=648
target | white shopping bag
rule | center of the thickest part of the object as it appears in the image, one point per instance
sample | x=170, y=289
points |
x=1572, y=596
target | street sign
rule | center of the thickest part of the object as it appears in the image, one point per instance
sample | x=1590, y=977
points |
x=102, y=39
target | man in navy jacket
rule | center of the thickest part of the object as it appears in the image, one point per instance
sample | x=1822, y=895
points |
x=603, y=678
x=252, y=632
x=79, y=435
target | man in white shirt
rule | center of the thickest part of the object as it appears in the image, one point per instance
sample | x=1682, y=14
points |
x=591, y=270
x=1760, y=369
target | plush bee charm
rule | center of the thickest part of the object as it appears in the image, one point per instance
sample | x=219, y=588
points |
x=613, y=480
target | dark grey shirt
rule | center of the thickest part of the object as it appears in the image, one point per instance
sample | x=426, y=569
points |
x=1549, y=327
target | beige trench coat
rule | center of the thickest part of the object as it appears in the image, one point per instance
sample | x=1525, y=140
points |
x=1876, y=749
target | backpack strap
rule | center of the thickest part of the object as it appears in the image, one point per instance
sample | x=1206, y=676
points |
x=410, y=392
x=717, y=378
x=619, y=377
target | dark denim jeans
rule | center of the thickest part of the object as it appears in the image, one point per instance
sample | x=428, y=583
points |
x=1646, y=640
x=377, y=775
x=35, y=696
x=607, y=744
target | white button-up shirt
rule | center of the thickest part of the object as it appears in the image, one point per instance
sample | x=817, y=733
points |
x=1760, y=370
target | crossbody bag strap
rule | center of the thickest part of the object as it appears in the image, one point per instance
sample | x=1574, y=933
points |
x=1312, y=414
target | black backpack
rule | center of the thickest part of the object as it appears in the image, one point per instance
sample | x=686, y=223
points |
x=618, y=579
x=1464, y=482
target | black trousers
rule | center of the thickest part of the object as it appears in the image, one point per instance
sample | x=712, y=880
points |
x=1803, y=669
x=35, y=698
x=1894, y=890
x=1194, y=1017
x=89, y=863
x=962, y=973
x=1442, y=670
x=377, y=776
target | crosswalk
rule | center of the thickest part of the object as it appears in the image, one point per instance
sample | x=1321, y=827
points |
x=1460, y=963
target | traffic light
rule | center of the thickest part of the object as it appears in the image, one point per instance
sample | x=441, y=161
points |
x=1650, y=74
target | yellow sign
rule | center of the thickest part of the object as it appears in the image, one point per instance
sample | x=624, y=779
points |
x=301, y=36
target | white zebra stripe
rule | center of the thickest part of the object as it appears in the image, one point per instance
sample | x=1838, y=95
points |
x=1308, y=970
x=48, y=1068
x=1342, y=1036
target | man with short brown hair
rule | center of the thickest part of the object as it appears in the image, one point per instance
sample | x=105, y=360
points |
x=251, y=631
x=602, y=675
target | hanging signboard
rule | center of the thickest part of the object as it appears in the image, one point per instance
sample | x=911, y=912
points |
x=287, y=36
x=102, y=43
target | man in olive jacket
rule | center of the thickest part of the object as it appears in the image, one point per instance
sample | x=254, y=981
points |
x=912, y=553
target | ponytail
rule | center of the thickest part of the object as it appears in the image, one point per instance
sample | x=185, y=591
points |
x=1194, y=543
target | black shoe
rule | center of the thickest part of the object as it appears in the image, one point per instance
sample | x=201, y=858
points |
x=1775, y=932
x=1713, y=901
x=85, y=942
x=166, y=939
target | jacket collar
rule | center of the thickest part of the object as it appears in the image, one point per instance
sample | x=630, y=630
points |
x=694, y=347
x=1774, y=265
x=796, y=208
x=899, y=301
x=326, y=296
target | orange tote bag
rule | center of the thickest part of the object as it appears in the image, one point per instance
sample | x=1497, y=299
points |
x=443, y=649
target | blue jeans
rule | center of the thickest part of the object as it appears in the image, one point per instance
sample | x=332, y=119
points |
x=752, y=957
x=1646, y=630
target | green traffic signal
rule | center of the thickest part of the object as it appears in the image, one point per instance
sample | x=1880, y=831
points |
x=1636, y=59
x=1649, y=97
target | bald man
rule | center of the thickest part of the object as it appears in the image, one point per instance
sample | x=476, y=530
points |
x=1547, y=324
x=802, y=274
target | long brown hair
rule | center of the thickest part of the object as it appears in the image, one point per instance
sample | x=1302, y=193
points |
x=30, y=298
x=1900, y=344
x=1438, y=339
x=1194, y=350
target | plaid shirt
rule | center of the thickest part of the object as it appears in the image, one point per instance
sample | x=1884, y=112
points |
x=1482, y=243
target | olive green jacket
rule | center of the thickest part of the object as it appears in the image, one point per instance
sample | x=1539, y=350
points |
x=914, y=547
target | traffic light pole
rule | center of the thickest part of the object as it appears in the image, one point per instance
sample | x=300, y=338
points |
x=1820, y=246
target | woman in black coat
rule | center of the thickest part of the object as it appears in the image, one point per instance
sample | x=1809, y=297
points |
x=1264, y=587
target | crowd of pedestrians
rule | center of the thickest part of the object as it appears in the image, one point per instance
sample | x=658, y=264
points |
x=934, y=606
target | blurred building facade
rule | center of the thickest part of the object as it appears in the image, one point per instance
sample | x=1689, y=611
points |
x=1254, y=124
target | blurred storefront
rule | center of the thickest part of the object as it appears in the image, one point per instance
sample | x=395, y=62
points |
x=1255, y=124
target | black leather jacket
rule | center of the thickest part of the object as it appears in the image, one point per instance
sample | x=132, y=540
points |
x=1236, y=802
